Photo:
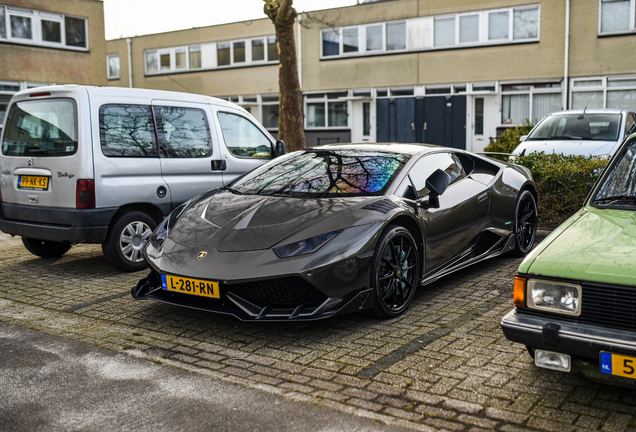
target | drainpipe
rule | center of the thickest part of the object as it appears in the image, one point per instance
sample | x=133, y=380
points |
x=566, y=60
x=129, y=42
x=300, y=54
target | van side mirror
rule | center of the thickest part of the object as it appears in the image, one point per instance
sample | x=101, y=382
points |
x=522, y=138
x=437, y=183
x=279, y=148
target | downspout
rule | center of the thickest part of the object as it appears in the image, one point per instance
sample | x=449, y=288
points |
x=566, y=60
x=300, y=54
x=129, y=42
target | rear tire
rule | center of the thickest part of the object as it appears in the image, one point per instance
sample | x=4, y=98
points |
x=45, y=248
x=395, y=272
x=525, y=224
x=126, y=239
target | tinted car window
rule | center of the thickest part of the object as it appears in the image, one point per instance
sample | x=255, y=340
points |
x=127, y=131
x=630, y=125
x=183, y=132
x=596, y=127
x=243, y=138
x=44, y=128
x=447, y=162
x=619, y=187
x=323, y=173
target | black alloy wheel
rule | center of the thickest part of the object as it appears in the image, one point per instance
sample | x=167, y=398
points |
x=525, y=223
x=395, y=272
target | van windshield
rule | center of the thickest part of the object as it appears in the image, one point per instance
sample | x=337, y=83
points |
x=42, y=128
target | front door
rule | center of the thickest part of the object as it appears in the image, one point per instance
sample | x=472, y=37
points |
x=483, y=121
x=363, y=121
x=396, y=120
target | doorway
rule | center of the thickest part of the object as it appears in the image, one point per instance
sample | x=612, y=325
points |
x=483, y=118
x=363, y=121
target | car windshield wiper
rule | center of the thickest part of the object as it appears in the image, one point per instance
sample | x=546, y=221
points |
x=565, y=137
x=234, y=191
x=616, y=198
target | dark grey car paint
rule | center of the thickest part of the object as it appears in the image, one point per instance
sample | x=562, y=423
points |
x=474, y=221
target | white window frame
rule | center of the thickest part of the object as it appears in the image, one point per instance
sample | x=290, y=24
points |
x=531, y=91
x=326, y=100
x=603, y=87
x=36, y=18
x=112, y=77
x=632, y=20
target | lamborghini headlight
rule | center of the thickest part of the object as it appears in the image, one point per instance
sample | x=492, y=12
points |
x=306, y=246
x=553, y=296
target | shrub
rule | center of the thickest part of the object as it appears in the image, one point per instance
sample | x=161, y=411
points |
x=561, y=183
x=508, y=140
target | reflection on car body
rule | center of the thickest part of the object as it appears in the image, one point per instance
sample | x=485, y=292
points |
x=341, y=228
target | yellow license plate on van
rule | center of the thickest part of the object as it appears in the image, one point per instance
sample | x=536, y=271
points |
x=33, y=182
x=196, y=287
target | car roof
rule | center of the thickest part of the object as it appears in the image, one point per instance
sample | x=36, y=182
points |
x=591, y=111
x=411, y=149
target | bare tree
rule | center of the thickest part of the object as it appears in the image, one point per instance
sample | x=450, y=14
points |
x=290, y=121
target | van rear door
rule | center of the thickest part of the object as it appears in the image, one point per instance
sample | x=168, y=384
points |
x=45, y=150
x=189, y=152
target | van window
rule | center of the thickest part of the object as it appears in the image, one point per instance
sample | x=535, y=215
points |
x=127, y=131
x=183, y=132
x=243, y=138
x=43, y=128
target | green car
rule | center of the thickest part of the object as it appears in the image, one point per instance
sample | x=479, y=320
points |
x=575, y=294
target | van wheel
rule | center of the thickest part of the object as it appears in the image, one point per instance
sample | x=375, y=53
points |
x=126, y=239
x=45, y=248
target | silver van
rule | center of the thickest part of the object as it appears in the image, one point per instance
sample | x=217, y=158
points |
x=83, y=164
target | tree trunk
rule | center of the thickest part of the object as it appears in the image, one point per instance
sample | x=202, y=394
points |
x=290, y=124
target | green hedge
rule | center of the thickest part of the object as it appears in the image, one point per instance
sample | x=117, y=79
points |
x=508, y=140
x=561, y=183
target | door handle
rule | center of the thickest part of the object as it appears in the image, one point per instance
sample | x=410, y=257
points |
x=219, y=165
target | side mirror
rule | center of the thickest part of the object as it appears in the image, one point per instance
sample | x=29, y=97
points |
x=279, y=148
x=437, y=183
x=522, y=138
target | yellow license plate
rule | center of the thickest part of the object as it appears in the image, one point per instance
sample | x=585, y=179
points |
x=33, y=182
x=190, y=286
x=618, y=364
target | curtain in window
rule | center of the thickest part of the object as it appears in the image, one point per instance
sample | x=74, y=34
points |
x=625, y=99
x=544, y=104
x=515, y=109
x=316, y=114
x=591, y=99
x=614, y=15
x=445, y=31
x=469, y=28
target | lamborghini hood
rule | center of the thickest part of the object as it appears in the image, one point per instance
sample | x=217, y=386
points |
x=233, y=223
x=597, y=246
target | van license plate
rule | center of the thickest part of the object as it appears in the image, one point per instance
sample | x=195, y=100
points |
x=618, y=364
x=33, y=182
x=190, y=286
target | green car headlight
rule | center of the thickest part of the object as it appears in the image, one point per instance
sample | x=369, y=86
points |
x=303, y=247
x=553, y=296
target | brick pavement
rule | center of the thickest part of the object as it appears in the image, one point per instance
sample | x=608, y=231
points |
x=445, y=364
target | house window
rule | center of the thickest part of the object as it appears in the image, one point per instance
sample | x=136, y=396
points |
x=468, y=28
x=350, y=40
x=395, y=36
x=526, y=24
x=194, y=56
x=180, y=58
x=33, y=27
x=258, y=50
x=272, y=49
x=223, y=54
x=605, y=92
x=498, y=25
x=75, y=32
x=616, y=16
x=330, y=43
x=164, y=60
x=326, y=110
x=529, y=103
x=269, y=111
x=239, y=51
x=152, y=62
x=374, y=37
x=444, y=31
x=113, y=66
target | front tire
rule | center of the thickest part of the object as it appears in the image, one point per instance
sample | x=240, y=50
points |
x=525, y=224
x=126, y=239
x=45, y=248
x=395, y=272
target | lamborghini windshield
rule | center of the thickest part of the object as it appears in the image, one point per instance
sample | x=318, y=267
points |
x=595, y=127
x=323, y=174
x=619, y=187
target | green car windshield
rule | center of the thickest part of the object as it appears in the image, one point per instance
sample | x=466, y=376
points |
x=323, y=174
x=619, y=187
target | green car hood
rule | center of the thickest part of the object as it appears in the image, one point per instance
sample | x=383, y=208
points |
x=593, y=245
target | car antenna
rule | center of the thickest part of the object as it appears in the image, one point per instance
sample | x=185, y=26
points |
x=588, y=102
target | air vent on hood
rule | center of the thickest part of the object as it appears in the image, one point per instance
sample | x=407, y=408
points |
x=383, y=206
